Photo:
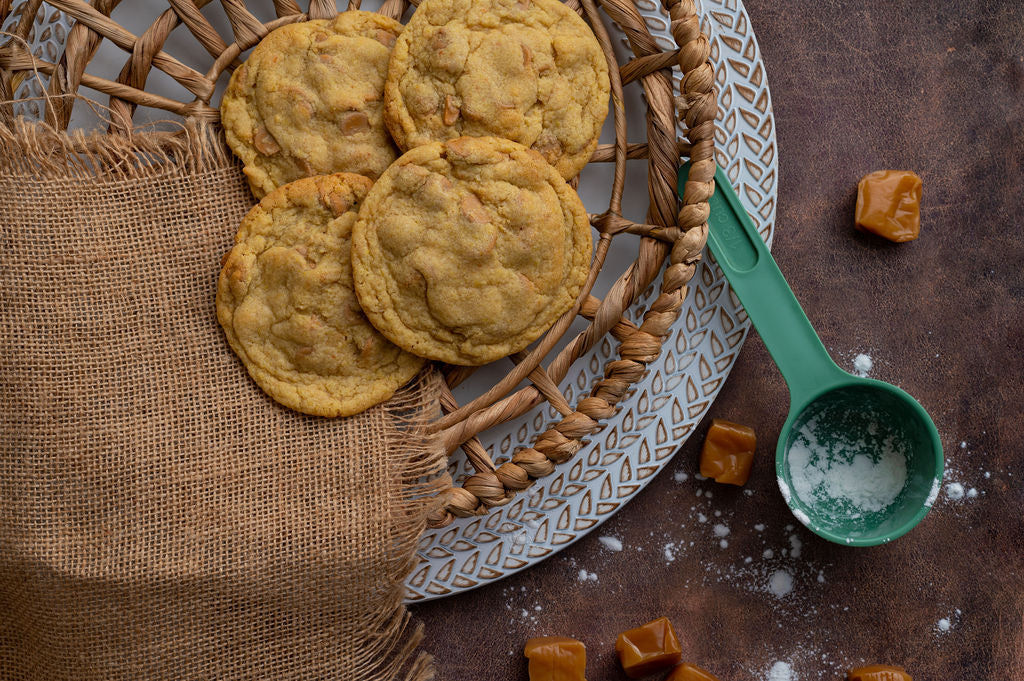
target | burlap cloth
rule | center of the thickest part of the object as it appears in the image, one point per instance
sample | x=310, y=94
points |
x=160, y=517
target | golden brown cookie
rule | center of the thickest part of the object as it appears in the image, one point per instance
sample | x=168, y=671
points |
x=286, y=302
x=526, y=70
x=466, y=251
x=308, y=101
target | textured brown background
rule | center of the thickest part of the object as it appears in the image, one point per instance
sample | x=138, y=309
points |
x=935, y=87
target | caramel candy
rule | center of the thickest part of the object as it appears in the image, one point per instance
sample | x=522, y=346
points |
x=689, y=672
x=878, y=672
x=648, y=649
x=889, y=204
x=556, y=658
x=728, y=452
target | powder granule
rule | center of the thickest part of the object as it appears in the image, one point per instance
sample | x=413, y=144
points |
x=584, y=576
x=781, y=671
x=863, y=364
x=780, y=583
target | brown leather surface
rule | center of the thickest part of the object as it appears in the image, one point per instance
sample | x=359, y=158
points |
x=937, y=88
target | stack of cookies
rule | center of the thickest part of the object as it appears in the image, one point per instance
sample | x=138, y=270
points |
x=360, y=263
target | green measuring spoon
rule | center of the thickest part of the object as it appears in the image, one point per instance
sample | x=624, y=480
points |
x=858, y=461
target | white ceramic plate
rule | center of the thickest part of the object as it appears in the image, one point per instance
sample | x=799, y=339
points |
x=662, y=410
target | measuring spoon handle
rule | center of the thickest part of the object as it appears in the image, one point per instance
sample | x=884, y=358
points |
x=767, y=298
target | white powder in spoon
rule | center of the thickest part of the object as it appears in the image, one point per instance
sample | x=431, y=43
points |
x=844, y=469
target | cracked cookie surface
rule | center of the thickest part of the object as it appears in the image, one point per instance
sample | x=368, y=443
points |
x=468, y=250
x=286, y=301
x=308, y=101
x=526, y=70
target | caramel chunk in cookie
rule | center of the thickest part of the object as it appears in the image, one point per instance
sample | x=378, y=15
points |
x=526, y=70
x=286, y=301
x=466, y=251
x=308, y=101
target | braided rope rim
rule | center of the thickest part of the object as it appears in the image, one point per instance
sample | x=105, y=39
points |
x=678, y=232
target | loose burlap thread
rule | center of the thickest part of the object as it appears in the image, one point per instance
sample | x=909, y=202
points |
x=160, y=517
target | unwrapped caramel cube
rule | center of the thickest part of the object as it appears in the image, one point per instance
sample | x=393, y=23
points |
x=556, y=658
x=878, y=672
x=728, y=452
x=648, y=649
x=689, y=672
x=889, y=204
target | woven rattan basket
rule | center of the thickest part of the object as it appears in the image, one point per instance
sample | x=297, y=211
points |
x=676, y=231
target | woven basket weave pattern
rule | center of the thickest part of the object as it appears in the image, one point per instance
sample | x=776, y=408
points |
x=672, y=230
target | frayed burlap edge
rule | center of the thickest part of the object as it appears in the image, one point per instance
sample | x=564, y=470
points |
x=35, y=151
x=419, y=461
x=30, y=149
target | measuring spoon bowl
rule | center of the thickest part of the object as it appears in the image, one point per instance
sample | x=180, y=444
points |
x=859, y=464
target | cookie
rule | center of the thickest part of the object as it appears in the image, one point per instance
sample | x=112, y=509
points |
x=467, y=250
x=526, y=70
x=308, y=101
x=287, y=305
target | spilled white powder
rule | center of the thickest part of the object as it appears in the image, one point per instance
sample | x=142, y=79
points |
x=768, y=554
x=759, y=527
x=585, y=576
x=720, y=530
x=610, y=543
x=943, y=625
x=841, y=470
x=781, y=671
x=955, y=491
x=972, y=493
x=780, y=583
x=701, y=518
x=680, y=476
x=795, y=546
x=724, y=543
x=863, y=365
